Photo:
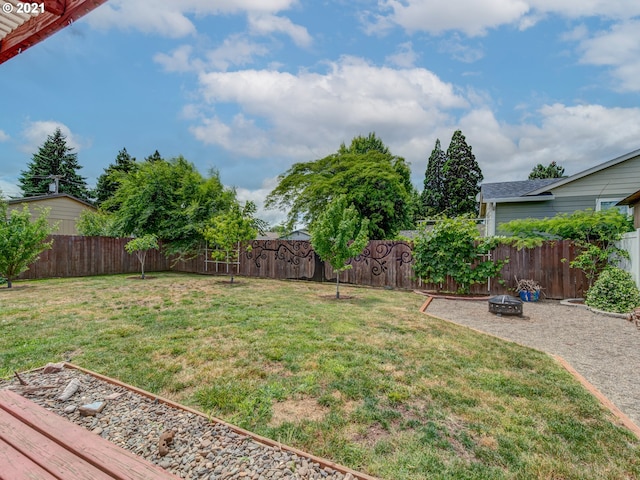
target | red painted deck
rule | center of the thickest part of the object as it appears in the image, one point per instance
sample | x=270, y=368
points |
x=36, y=444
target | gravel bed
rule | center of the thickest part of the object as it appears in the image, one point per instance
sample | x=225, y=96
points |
x=603, y=349
x=200, y=449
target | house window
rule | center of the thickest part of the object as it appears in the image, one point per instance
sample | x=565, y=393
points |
x=607, y=203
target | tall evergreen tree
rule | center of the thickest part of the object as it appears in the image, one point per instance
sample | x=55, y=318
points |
x=109, y=181
x=55, y=162
x=462, y=177
x=433, y=200
x=154, y=157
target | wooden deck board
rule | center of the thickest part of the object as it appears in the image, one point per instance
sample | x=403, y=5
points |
x=42, y=436
x=15, y=466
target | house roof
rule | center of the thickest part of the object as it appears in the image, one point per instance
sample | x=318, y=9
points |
x=40, y=198
x=541, y=189
x=501, y=191
x=22, y=25
x=589, y=171
x=631, y=199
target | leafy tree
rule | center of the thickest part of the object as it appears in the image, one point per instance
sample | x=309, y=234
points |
x=339, y=234
x=171, y=200
x=553, y=170
x=453, y=248
x=432, y=196
x=594, y=233
x=140, y=246
x=614, y=291
x=228, y=230
x=461, y=178
x=21, y=240
x=55, y=162
x=97, y=224
x=376, y=182
x=109, y=181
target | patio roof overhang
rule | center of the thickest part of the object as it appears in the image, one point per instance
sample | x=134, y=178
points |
x=24, y=24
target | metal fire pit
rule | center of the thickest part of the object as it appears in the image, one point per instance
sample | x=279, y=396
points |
x=505, y=305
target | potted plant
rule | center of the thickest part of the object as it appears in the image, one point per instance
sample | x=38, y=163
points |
x=528, y=289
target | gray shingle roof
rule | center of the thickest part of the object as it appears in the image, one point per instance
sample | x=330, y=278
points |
x=514, y=189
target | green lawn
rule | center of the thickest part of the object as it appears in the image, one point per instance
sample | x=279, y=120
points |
x=368, y=381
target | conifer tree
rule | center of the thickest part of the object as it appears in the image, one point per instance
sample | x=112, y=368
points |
x=108, y=182
x=462, y=177
x=55, y=162
x=433, y=193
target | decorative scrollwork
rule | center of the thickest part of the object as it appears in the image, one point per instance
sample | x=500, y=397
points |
x=378, y=259
x=290, y=251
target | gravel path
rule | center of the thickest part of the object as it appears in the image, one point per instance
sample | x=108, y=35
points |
x=605, y=350
x=200, y=449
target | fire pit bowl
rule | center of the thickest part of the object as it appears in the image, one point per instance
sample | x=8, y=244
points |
x=505, y=305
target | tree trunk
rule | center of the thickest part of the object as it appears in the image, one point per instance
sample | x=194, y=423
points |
x=338, y=285
x=9, y=284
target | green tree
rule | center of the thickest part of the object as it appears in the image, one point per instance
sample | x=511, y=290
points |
x=453, y=247
x=140, y=246
x=21, y=240
x=226, y=231
x=55, y=162
x=433, y=195
x=97, y=224
x=553, y=170
x=109, y=181
x=154, y=157
x=339, y=234
x=170, y=199
x=376, y=182
x=462, y=177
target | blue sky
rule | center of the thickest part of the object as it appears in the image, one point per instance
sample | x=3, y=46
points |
x=251, y=86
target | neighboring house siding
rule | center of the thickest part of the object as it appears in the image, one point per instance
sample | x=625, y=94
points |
x=617, y=181
x=505, y=212
x=63, y=211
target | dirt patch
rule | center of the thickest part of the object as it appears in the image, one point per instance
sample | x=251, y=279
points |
x=138, y=277
x=306, y=408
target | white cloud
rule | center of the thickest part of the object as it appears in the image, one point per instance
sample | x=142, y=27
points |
x=618, y=48
x=300, y=116
x=475, y=18
x=178, y=60
x=9, y=188
x=35, y=134
x=405, y=57
x=264, y=24
x=170, y=17
x=4, y=136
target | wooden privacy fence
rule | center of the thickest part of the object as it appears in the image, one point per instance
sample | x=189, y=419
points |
x=78, y=256
x=382, y=264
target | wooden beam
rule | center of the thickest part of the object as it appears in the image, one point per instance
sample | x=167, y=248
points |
x=56, y=7
x=45, y=24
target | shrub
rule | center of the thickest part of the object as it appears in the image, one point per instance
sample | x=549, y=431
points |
x=454, y=248
x=614, y=291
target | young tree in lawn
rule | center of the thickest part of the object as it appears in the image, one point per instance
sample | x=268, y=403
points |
x=55, y=162
x=462, y=177
x=21, y=240
x=553, y=170
x=140, y=246
x=339, y=234
x=226, y=232
x=109, y=181
x=433, y=200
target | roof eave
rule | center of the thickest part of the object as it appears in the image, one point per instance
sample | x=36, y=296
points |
x=528, y=198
